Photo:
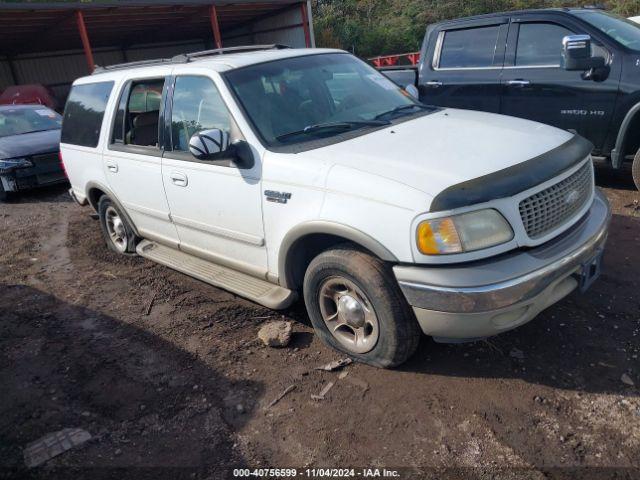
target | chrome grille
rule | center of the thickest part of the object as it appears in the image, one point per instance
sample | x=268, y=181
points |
x=552, y=207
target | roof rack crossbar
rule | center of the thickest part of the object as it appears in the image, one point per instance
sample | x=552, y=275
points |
x=187, y=57
x=139, y=63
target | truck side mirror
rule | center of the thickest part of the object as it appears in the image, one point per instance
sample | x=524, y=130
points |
x=576, y=54
x=206, y=144
x=214, y=144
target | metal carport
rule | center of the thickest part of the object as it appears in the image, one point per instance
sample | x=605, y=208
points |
x=53, y=43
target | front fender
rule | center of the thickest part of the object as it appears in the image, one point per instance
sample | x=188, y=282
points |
x=299, y=232
x=617, y=154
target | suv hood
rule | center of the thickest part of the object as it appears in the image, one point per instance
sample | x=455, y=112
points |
x=448, y=147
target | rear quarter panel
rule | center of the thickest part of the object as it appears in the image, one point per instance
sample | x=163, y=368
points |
x=84, y=165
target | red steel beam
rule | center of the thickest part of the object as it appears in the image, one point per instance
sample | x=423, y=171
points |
x=305, y=24
x=85, y=41
x=391, y=60
x=213, y=14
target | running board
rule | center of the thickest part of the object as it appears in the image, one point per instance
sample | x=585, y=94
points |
x=260, y=291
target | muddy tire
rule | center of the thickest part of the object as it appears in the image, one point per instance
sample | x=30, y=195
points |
x=356, y=307
x=635, y=170
x=3, y=194
x=116, y=231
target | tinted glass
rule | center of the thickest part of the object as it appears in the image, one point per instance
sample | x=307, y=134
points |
x=197, y=106
x=119, y=120
x=18, y=121
x=620, y=29
x=473, y=47
x=540, y=44
x=289, y=95
x=84, y=112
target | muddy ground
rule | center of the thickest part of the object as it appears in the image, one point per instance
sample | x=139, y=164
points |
x=166, y=375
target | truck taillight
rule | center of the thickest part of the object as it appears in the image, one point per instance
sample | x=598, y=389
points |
x=64, y=170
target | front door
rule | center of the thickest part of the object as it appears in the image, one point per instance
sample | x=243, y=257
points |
x=133, y=159
x=216, y=206
x=536, y=87
x=462, y=69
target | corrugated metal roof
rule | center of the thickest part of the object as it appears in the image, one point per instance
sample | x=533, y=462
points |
x=51, y=26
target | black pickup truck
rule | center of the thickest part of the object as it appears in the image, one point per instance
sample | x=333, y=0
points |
x=574, y=68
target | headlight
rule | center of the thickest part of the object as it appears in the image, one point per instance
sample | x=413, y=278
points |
x=14, y=163
x=463, y=233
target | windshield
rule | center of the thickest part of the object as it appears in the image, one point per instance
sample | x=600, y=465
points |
x=16, y=121
x=303, y=98
x=620, y=29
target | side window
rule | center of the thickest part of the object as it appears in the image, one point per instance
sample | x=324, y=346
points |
x=469, y=48
x=540, y=44
x=84, y=112
x=143, y=113
x=136, y=121
x=197, y=106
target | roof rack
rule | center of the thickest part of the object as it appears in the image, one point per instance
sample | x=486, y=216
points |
x=139, y=63
x=188, y=57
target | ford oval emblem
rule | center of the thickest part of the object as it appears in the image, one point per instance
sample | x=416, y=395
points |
x=572, y=197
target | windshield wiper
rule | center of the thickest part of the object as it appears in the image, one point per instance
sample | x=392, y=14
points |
x=342, y=125
x=402, y=109
x=36, y=131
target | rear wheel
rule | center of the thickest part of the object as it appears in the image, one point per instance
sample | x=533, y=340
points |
x=356, y=307
x=115, y=229
x=635, y=169
x=3, y=194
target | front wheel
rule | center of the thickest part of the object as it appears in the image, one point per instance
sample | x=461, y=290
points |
x=635, y=170
x=356, y=307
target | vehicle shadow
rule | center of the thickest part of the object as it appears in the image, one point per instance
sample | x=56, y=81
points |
x=153, y=409
x=586, y=342
x=51, y=193
x=607, y=177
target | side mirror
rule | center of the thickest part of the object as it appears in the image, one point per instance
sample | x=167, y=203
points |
x=214, y=143
x=576, y=54
x=206, y=144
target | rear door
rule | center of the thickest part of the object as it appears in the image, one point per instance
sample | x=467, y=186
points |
x=463, y=65
x=133, y=158
x=536, y=87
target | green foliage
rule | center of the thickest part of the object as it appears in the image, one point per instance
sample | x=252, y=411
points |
x=378, y=27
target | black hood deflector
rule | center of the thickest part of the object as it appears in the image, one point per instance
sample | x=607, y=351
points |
x=515, y=179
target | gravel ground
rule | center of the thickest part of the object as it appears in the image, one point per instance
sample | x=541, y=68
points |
x=166, y=374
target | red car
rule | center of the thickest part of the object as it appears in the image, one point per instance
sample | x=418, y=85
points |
x=35, y=94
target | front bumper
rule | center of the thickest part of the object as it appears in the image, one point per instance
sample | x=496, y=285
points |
x=484, y=298
x=14, y=180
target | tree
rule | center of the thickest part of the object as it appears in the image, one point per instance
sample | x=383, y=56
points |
x=378, y=27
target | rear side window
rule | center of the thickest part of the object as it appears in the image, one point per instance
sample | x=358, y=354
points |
x=84, y=112
x=137, y=119
x=540, y=44
x=469, y=48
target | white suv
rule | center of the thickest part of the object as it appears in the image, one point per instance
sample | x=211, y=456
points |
x=272, y=171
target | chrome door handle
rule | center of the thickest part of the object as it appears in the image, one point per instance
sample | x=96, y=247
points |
x=434, y=83
x=112, y=167
x=518, y=83
x=179, y=179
